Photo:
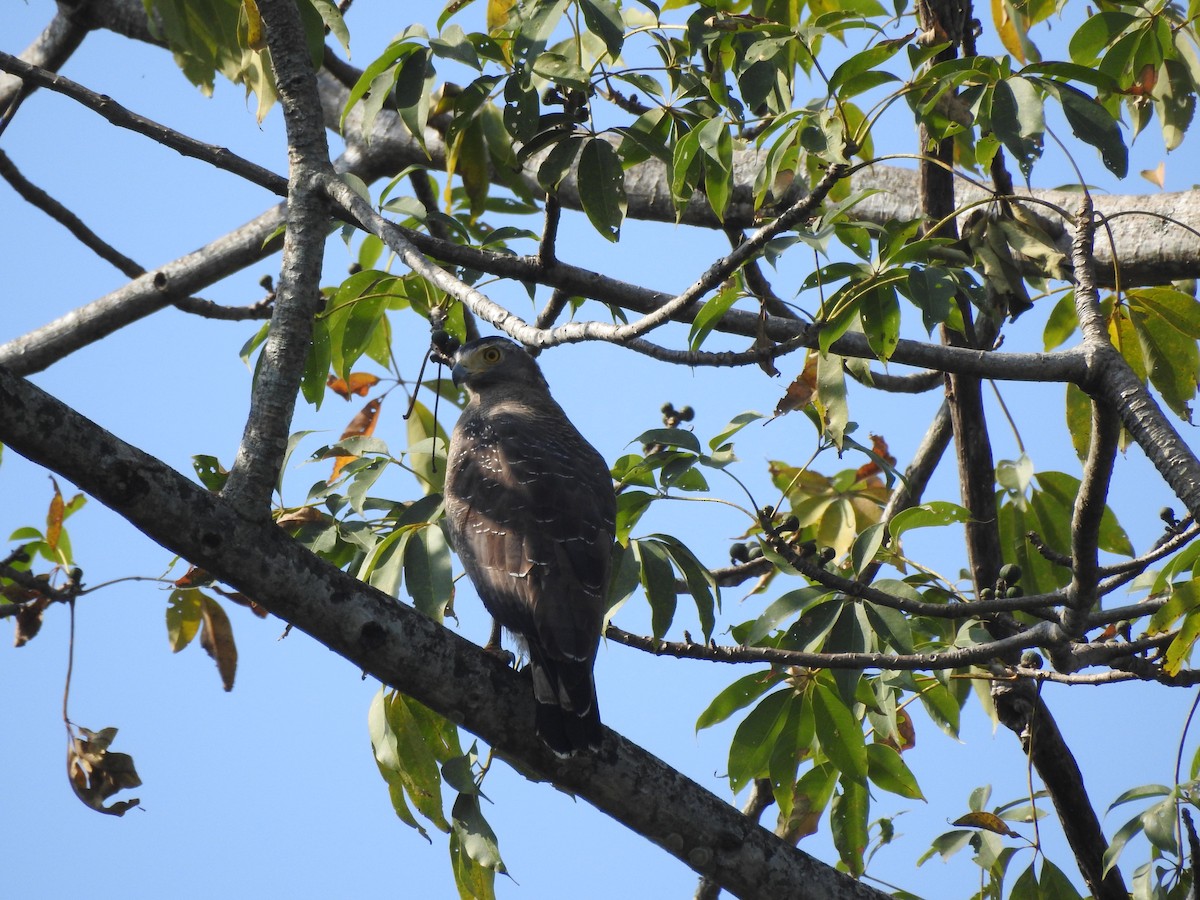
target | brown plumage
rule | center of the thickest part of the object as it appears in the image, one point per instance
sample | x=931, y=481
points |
x=531, y=511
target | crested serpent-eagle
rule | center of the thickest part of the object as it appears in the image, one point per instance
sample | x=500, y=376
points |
x=531, y=510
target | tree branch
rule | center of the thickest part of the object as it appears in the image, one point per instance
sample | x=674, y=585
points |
x=49, y=50
x=410, y=652
x=260, y=455
x=118, y=115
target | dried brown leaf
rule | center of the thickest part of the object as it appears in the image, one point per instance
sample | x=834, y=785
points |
x=29, y=621
x=96, y=773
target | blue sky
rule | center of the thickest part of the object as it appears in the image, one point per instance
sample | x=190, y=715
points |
x=271, y=789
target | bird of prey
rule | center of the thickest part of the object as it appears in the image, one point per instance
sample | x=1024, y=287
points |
x=531, y=513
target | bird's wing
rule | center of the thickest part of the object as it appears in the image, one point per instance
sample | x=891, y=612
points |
x=532, y=510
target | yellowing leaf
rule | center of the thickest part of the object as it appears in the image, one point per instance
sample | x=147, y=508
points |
x=183, y=617
x=54, y=517
x=1156, y=176
x=256, y=38
x=987, y=821
x=216, y=637
x=497, y=14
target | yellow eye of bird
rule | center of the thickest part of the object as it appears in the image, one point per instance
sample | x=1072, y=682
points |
x=491, y=355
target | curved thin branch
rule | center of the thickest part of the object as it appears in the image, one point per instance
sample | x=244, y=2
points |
x=1039, y=635
x=118, y=115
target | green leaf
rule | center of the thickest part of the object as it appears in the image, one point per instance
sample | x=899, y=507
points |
x=601, y=182
x=754, y=739
x=412, y=92
x=559, y=69
x=866, y=546
x=862, y=62
x=935, y=514
x=1055, y=884
x=780, y=609
x=839, y=733
x=426, y=435
x=603, y=19
x=711, y=312
x=1079, y=420
x=1061, y=323
x=1097, y=31
x=831, y=397
x=1173, y=360
x=736, y=424
x=669, y=437
x=658, y=581
x=941, y=705
x=1093, y=124
x=932, y=291
x=880, y=312
x=1179, y=650
x=406, y=758
x=332, y=17
x=377, y=70
x=1178, y=309
x=848, y=823
x=737, y=696
x=453, y=44
x=886, y=768
x=428, y=578
x=1065, y=488
x=700, y=581
x=1018, y=121
x=477, y=839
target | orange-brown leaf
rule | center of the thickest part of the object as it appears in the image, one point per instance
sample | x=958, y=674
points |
x=908, y=734
x=54, y=517
x=1146, y=81
x=801, y=391
x=359, y=383
x=242, y=600
x=880, y=448
x=193, y=577
x=305, y=515
x=216, y=637
x=362, y=425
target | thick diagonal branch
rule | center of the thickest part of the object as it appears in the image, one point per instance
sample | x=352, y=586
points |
x=410, y=652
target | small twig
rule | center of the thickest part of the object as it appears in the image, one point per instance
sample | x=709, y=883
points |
x=547, y=248
x=219, y=157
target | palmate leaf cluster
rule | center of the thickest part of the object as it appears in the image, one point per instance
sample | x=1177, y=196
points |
x=555, y=97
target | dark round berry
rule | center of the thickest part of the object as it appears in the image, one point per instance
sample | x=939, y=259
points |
x=739, y=553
